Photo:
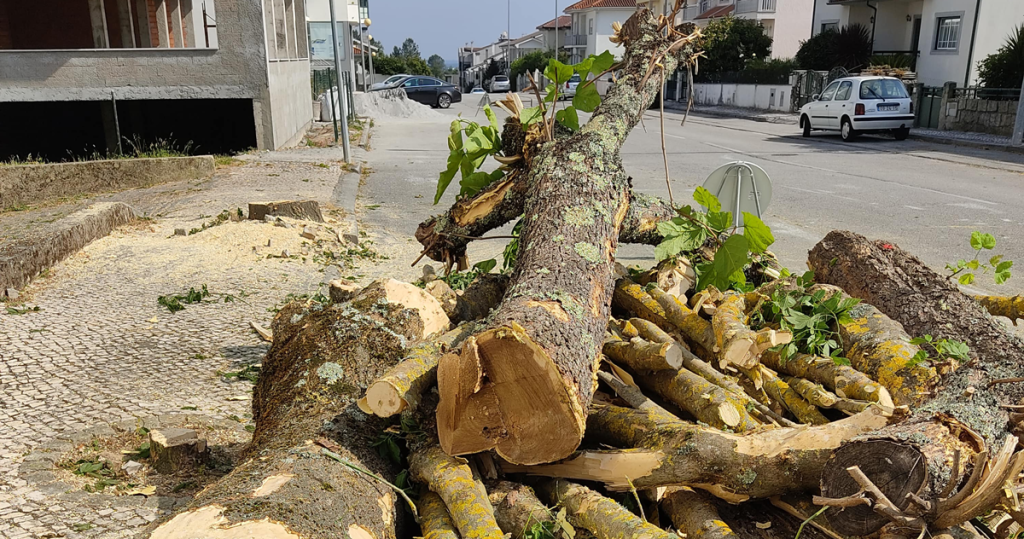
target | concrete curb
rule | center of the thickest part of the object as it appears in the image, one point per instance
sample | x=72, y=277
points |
x=969, y=143
x=24, y=259
x=344, y=196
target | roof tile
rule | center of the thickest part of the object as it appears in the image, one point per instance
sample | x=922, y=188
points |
x=587, y=4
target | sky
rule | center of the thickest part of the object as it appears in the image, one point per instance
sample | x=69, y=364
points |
x=442, y=26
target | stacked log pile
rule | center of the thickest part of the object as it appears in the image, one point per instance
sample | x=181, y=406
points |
x=573, y=397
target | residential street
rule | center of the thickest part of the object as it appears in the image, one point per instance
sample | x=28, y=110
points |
x=926, y=197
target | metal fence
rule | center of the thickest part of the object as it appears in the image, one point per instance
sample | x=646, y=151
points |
x=991, y=94
x=322, y=80
x=929, y=106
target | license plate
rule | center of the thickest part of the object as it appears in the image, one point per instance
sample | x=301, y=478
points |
x=886, y=107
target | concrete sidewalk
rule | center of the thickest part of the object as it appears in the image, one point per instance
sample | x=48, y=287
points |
x=958, y=138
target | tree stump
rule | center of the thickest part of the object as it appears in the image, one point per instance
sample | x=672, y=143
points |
x=306, y=210
x=176, y=450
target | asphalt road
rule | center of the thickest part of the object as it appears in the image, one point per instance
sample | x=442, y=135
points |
x=923, y=196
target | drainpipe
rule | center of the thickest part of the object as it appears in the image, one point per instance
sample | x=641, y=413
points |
x=814, y=17
x=970, y=52
x=874, y=19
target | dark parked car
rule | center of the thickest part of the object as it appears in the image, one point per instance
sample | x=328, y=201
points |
x=429, y=91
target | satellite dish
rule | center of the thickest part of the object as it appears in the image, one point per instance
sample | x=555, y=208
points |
x=741, y=187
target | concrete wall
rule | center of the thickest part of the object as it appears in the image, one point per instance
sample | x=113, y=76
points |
x=828, y=13
x=32, y=184
x=792, y=24
x=755, y=96
x=289, y=101
x=980, y=116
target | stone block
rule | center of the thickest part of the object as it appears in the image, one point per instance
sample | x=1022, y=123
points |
x=174, y=450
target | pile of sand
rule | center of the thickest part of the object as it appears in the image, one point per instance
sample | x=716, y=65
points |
x=391, y=104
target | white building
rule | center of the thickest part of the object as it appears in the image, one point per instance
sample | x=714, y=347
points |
x=478, y=58
x=787, y=22
x=946, y=37
x=591, y=26
x=556, y=31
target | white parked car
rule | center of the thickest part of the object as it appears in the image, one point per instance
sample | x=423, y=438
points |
x=500, y=83
x=387, y=82
x=477, y=90
x=856, y=105
x=569, y=91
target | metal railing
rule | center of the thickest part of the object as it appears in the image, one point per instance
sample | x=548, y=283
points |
x=991, y=94
x=574, y=40
x=322, y=80
x=755, y=6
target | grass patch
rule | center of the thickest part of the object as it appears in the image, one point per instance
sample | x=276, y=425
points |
x=227, y=161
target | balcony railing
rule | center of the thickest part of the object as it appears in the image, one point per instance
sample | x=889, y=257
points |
x=578, y=40
x=755, y=6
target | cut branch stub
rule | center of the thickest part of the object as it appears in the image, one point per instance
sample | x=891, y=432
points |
x=504, y=392
x=452, y=480
x=523, y=386
x=735, y=340
x=1011, y=307
x=641, y=355
x=599, y=515
x=435, y=522
x=843, y=379
x=695, y=515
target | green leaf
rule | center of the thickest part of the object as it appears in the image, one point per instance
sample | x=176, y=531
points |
x=455, y=138
x=531, y=115
x=492, y=118
x=583, y=68
x=454, y=160
x=758, y=235
x=1004, y=266
x=478, y=142
x=988, y=241
x=841, y=361
x=569, y=118
x=558, y=72
x=995, y=260
x=1003, y=271
x=976, y=240
x=720, y=220
x=670, y=247
x=704, y=197
x=586, y=99
x=973, y=264
x=476, y=181
x=602, y=62
x=730, y=258
x=967, y=278
x=680, y=235
x=485, y=266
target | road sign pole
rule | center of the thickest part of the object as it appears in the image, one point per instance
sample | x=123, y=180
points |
x=342, y=105
x=1018, y=126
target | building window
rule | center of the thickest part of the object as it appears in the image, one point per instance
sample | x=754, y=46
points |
x=827, y=26
x=947, y=33
x=590, y=27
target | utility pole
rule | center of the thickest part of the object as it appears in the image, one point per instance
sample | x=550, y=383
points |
x=1018, y=126
x=341, y=100
x=556, y=30
x=508, y=42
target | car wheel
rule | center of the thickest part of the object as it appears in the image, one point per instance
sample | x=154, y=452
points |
x=901, y=133
x=805, y=123
x=444, y=101
x=847, y=131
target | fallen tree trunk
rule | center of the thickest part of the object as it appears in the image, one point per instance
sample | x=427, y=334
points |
x=306, y=392
x=523, y=386
x=1011, y=307
x=955, y=416
x=694, y=515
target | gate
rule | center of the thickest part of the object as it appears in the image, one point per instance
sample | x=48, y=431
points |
x=808, y=83
x=929, y=105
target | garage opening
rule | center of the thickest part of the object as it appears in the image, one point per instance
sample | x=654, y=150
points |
x=76, y=130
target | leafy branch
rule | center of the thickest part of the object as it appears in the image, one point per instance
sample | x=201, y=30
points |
x=946, y=348
x=813, y=320
x=966, y=268
x=469, y=145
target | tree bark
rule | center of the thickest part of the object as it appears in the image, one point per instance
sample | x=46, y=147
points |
x=603, y=517
x=316, y=368
x=694, y=514
x=523, y=386
x=517, y=509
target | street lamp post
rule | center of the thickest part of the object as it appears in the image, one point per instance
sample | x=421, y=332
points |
x=369, y=43
x=342, y=105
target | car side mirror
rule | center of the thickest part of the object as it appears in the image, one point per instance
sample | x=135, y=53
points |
x=815, y=97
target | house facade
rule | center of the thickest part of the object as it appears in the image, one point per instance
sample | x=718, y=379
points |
x=591, y=26
x=503, y=52
x=945, y=38
x=787, y=22
x=224, y=75
x=555, y=32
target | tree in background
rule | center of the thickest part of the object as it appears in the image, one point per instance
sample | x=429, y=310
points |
x=492, y=69
x=730, y=42
x=529, y=63
x=436, y=64
x=410, y=49
x=848, y=47
x=1005, y=67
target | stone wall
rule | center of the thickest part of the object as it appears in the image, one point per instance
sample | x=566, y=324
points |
x=32, y=184
x=980, y=116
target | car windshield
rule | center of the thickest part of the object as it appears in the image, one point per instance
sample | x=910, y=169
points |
x=501, y=78
x=882, y=89
x=575, y=78
x=393, y=79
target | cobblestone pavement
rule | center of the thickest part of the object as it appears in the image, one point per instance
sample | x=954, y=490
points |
x=101, y=349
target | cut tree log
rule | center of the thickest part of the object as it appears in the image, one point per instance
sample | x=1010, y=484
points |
x=675, y=276
x=843, y=379
x=176, y=450
x=694, y=515
x=435, y=522
x=735, y=341
x=306, y=391
x=966, y=411
x=702, y=399
x=636, y=399
x=523, y=386
x=599, y=515
x=402, y=387
x=452, y=480
x=733, y=467
x=385, y=291
x=306, y=210
x=1011, y=307
x=780, y=391
x=642, y=355
x=517, y=509
x=482, y=295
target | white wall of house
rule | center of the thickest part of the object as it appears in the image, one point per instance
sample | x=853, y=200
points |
x=995, y=22
x=757, y=96
x=826, y=14
x=603, y=19
x=791, y=25
x=893, y=32
x=935, y=67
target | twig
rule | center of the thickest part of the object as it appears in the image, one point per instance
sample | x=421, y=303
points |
x=689, y=90
x=664, y=152
x=789, y=509
x=425, y=250
x=345, y=462
x=804, y=523
x=599, y=75
x=1004, y=381
x=637, y=498
x=852, y=500
x=540, y=103
x=478, y=238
